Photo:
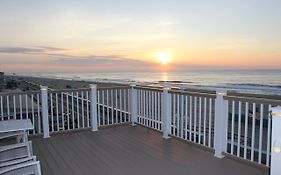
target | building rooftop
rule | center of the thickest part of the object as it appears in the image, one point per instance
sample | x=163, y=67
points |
x=128, y=150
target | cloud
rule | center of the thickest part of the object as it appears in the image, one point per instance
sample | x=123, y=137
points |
x=29, y=50
x=61, y=55
x=22, y=50
x=47, y=48
x=52, y=56
x=73, y=60
x=96, y=60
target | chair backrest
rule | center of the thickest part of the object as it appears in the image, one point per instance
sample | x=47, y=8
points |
x=15, y=151
x=23, y=168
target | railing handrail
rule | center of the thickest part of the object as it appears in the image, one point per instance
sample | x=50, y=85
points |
x=68, y=90
x=19, y=93
x=114, y=87
x=193, y=93
x=149, y=88
x=253, y=99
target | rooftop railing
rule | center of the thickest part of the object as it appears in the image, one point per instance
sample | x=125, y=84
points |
x=236, y=124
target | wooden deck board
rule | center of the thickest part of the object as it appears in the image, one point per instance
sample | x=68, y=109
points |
x=127, y=150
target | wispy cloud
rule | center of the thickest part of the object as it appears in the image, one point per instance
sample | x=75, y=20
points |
x=47, y=48
x=96, y=60
x=29, y=50
x=54, y=57
x=22, y=50
x=61, y=55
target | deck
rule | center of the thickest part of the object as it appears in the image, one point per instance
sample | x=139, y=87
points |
x=127, y=150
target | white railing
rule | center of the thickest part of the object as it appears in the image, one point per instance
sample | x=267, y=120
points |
x=22, y=106
x=249, y=128
x=113, y=105
x=243, y=126
x=191, y=113
x=149, y=103
x=192, y=117
x=68, y=109
x=236, y=125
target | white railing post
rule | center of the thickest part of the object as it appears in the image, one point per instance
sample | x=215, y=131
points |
x=45, y=115
x=166, y=112
x=221, y=121
x=134, y=105
x=93, y=107
x=276, y=141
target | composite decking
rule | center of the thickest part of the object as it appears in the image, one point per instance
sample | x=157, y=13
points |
x=128, y=150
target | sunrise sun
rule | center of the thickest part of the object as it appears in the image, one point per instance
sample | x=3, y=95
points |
x=164, y=58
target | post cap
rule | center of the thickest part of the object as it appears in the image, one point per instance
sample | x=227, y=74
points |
x=167, y=88
x=276, y=111
x=93, y=86
x=221, y=92
x=277, y=147
x=44, y=88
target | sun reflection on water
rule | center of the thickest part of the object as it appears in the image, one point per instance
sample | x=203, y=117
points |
x=164, y=76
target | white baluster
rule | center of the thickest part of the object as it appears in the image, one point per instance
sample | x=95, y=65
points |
x=15, y=110
x=52, y=111
x=2, y=109
x=210, y=123
x=239, y=129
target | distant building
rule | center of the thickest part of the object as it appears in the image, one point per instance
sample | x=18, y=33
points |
x=2, y=80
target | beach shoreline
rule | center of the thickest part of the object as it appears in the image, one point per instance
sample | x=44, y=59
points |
x=67, y=83
x=61, y=83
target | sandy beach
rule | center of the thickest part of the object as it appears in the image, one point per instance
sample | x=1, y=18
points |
x=59, y=83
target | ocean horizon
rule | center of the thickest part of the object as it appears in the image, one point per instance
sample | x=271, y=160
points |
x=257, y=81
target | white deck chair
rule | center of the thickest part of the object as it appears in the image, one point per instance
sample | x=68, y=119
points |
x=27, y=168
x=17, y=161
x=15, y=151
x=21, y=135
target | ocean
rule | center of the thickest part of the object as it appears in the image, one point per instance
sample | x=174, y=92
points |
x=255, y=81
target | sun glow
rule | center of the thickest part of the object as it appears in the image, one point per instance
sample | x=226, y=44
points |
x=164, y=58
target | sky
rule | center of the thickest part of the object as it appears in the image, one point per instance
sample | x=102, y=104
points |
x=130, y=35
